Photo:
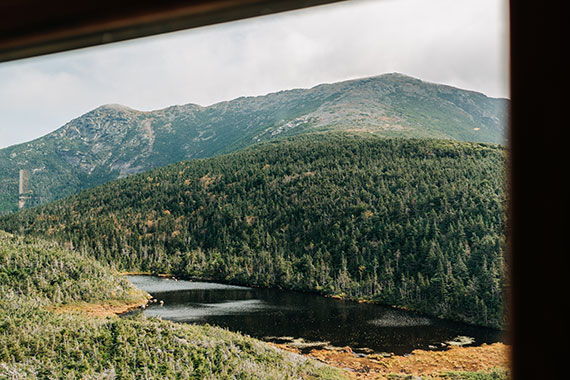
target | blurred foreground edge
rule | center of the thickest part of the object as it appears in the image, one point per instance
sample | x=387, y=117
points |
x=539, y=209
x=35, y=27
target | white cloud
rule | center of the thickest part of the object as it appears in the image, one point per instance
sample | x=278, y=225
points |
x=458, y=42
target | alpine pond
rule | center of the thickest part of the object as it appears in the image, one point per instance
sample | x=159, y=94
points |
x=305, y=319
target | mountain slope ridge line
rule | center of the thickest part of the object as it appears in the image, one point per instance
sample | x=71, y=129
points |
x=112, y=141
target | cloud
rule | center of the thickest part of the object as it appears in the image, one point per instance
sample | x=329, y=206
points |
x=29, y=96
x=461, y=43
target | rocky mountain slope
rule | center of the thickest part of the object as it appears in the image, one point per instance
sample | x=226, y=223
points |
x=114, y=141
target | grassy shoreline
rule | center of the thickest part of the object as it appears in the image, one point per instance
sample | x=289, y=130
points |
x=112, y=308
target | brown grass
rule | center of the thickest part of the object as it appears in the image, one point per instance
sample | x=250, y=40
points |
x=425, y=364
x=103, y=309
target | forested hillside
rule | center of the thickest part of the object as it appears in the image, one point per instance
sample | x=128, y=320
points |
x=114, y=141
x=413, y=223
x=41, y=272
x=36, y=343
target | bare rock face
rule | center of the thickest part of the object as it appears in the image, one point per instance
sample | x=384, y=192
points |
x=115, y=141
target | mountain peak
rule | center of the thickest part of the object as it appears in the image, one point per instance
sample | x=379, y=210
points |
x=116, y=107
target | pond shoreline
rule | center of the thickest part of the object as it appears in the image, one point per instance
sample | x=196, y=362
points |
x=434, y=363
x=308, y=291
x=102, y=309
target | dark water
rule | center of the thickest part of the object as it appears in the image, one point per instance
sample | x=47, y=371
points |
x=273, y=314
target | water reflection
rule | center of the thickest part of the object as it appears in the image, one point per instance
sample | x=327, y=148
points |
x=274, y=313
x=395, y=319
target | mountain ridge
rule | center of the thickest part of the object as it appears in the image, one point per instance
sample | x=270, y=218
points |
x=113, y=141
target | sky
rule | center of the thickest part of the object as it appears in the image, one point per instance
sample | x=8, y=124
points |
x=462, y=43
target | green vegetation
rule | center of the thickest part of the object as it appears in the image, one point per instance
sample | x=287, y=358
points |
x=36, y=343
x=42, y=273
x=413, y=223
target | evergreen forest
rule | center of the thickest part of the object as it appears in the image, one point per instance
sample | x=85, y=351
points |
x=414, y=223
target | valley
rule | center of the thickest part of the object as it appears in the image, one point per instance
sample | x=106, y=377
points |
x=377, y=202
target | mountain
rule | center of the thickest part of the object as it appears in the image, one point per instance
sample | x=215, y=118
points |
x=417, y=223
x=114, y=141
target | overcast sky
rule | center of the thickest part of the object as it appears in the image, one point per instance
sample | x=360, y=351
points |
x=463, y=43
